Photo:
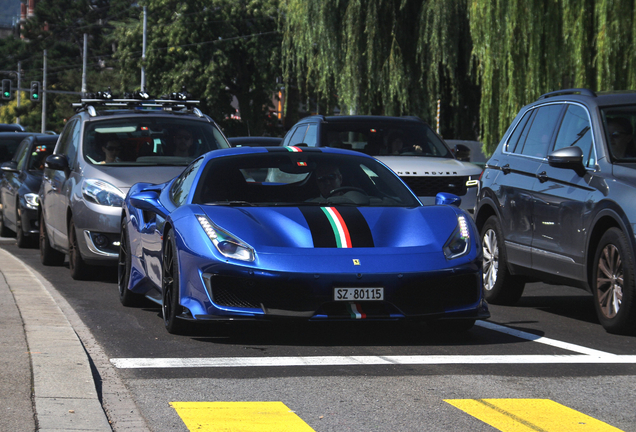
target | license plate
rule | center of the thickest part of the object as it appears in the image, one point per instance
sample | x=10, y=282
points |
x=358, y=294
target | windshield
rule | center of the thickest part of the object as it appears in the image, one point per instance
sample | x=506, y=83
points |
x=619, y=131
x=143, y=140
x=8, y=146
x=380, y=138
x=295, y=179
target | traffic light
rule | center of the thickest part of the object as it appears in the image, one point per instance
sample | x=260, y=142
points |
x=35, y=91
x=6, y=89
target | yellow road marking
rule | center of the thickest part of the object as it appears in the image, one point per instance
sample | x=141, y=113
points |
x=239, y=417
x=530, y=415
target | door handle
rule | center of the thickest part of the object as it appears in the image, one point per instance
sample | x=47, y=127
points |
x=506, y=169
x=542, y=176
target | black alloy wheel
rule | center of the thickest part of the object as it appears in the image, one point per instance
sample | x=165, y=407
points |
x=24, y=240
x=79, y=269
x=614, y=287
x=126, y=297
x=48, y=255
x=500, y=287
x=170, y=306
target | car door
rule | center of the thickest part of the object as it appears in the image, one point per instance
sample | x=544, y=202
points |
x=12, y=184
x=55, y=186
x=519, y=165
x=561, y=208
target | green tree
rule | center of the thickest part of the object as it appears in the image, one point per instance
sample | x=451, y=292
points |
x=217, y=49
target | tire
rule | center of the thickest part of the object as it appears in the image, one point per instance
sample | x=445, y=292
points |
x=500, y=287
x=79, y=269
x=170, y=306
x=126, y=296
x=613, y=283
x=48, y=255
x=4, y=231
x=24, y=240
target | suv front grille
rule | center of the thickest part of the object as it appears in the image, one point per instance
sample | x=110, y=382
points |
x=431, y=186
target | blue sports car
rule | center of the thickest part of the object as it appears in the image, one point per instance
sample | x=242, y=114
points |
x=298, y=233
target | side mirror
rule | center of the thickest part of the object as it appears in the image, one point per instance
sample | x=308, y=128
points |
x=568, y=157
x=57, y=162
x=462, y=153
x=446, y=198
x=148, y=200
x=10, y=166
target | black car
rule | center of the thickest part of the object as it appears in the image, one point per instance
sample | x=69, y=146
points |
x=9, y=142
x=407, y=145
x=254, y=141
x=19, y=188
x=557, y=202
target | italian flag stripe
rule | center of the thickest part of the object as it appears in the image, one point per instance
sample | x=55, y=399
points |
x=294, y=149
x=340, y=230
x=355, y=310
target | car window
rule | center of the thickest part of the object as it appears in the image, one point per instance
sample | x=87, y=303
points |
x=8, y=146
x=520, y=133
x=38, y=156
x=298, y=136
x=576, y=131
x=144, y=140
x=181, y=187
x=21, y=154
x=619, y=123
x=71, y=130
x=541, y=130
x=310, y=136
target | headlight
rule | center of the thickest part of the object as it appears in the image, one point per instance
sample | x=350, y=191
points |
x=459, y=242
x=32, y=200
x=102, y=193
x=228, y=245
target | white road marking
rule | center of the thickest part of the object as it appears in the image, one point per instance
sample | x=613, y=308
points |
x=585, y=356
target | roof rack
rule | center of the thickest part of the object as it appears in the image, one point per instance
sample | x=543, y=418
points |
x=172, y=101
x=581, y=91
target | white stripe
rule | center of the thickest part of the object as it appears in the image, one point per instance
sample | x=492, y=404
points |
x=343, y=238
x=130, y=363
x=354, y=309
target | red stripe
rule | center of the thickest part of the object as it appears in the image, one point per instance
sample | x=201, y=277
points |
x=359, y=307
x=344, y=227
x=297, y=149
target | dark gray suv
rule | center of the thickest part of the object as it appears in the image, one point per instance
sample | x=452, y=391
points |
x=558, y=202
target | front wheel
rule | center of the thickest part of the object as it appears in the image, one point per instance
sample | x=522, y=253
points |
x=4, y=231
x=124, y=264
x=79, y=269
x=24, y=240
x=170, y=306
x=500, y=287
x=48, y=255
x=613, y=283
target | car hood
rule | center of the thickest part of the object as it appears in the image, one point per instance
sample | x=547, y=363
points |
x=426, y=166
x=124, y=177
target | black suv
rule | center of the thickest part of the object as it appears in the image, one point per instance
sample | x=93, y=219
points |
x=558, y=202
x=407, y=145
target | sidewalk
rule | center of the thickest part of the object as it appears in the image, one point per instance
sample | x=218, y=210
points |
x=46, y=382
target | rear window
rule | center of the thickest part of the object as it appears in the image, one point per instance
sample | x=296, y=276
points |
x=149, y=141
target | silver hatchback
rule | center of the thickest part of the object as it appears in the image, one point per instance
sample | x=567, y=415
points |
x=99, y=155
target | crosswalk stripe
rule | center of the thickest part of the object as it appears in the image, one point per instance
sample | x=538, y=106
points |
x=530, y=415
x=239, y=417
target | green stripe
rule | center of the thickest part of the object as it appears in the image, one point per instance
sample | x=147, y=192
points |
x=334, y=227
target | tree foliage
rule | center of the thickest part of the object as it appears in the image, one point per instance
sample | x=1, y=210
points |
x=217, y=49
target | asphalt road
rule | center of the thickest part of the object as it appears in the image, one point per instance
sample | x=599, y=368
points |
x=366, y=376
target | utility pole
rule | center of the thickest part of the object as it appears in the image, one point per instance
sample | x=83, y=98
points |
x=44, y=94
x=17, y=119
x=84, y=61
x=143, y=55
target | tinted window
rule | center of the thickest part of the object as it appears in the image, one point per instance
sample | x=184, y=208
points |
x=619, y=132
x=541, y=130
x=310, y=136
x=142, y=140
x=8, y=146
x=575, y=130
x=298, y=136
x=514, y=139
x=38, y=156
x=183, y=184
x=71, y=130
x=21, y=154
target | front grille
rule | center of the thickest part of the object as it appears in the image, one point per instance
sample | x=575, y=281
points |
x=432, y=185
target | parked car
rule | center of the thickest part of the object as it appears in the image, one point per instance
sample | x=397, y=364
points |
x=11, y=127
x=106, y=147
x=557, y=202
x=407, y=145
x=9, y=142
x=19, y=189
x=213, y=244
x=254, y=141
